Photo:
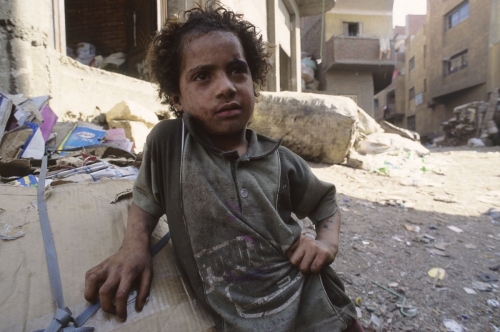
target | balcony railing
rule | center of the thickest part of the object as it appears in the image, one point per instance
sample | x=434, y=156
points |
x=354, y=52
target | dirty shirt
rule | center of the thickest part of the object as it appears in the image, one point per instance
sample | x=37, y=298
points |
x=230, y=205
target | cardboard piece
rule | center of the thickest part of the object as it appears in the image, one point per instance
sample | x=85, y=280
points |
x=15, y=168
x=5, y=111
x=87, y=228
x=49, y=121
x=81, y=136
x=35, y=145
x=136, y=131
x=13, y=142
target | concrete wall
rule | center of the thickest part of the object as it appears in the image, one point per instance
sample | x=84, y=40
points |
x=30, y=65
x=373, y=26
x=254, y=11
x=494, y=53
x=350, y=83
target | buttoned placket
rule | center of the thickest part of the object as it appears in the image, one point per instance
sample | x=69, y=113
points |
x=241, y=191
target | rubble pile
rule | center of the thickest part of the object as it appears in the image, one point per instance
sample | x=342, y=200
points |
x=78, y=151
x=474, y=124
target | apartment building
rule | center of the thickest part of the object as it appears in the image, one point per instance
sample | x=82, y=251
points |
x=452, y=60
x=359, y=57
x=391, y=103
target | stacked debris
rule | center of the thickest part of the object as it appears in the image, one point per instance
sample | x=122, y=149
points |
x=308, y=69
x=78, y=151
x=474, y=124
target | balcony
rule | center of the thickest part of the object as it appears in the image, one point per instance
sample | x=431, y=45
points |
x=313, y=7
x=358, y=53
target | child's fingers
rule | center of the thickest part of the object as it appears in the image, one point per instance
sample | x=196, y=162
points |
x=318, y=263
x=307, y=260
x=292, y=249
x=296, y=257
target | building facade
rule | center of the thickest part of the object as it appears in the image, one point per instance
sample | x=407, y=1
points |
x=452, y=60
x=359, y=57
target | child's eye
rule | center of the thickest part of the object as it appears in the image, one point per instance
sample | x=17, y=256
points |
x=200, y=77
x=240, y=70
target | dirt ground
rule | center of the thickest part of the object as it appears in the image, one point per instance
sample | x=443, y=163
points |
x=395, y=229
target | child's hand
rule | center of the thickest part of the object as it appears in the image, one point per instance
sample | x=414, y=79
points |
x=310, y=254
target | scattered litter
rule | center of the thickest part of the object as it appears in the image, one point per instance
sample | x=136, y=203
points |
x=438, y=253
x=409, y=313
x=455, y=229
x=359, y=313
x=452, y=326
x=427, y=236
x=412, y=228
x=365, y=242
x=470, y=246
x=493, y=303
x=481, y=286
x=493, y=213
x=487, y=277
x=397, y=239
x=432, y=227
x=376, y=321
x=440, y=246
x=445, y=199
x=358, y=301
x=469, y=291
x=393, y=284
x=437, y=272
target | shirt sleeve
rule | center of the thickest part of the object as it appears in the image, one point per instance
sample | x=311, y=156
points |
x=146, y=190
x=309, y=196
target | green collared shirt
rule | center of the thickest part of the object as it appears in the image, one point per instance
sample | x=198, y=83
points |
x=239, y=236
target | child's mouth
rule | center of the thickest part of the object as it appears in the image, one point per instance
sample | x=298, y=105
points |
x=228, y=110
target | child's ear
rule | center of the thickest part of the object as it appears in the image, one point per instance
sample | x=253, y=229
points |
x=176, y=99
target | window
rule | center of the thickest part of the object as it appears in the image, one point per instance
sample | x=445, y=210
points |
x=411, y=123
x=412, y=63
x=456, y=63
x=352, y=29
x=457, y=15
x=425, y=85
x=375, y=104
x=418, y=99
x=412, y=93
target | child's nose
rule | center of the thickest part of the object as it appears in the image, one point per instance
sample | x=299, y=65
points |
x=225, y=87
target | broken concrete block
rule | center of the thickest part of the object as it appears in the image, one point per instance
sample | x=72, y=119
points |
x=320, y=128
x=390, y=128
x=385, y=142
x=367, y=125
x=136, y=131
x=128, y=110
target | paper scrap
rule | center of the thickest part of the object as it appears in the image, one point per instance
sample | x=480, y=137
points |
x=455, y=229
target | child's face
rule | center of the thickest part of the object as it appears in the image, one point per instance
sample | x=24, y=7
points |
x=216, y=85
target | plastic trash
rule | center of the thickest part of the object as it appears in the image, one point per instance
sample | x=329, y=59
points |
x=452, y=326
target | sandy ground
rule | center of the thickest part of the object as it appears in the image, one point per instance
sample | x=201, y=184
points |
x=395, y=229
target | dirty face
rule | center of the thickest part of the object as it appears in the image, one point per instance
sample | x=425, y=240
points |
x=215, y=83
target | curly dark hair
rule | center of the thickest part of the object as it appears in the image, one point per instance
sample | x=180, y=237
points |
x=165, y=52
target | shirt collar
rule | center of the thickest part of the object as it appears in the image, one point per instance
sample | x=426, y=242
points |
x=258, y=146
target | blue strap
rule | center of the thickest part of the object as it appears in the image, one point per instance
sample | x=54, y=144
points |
x=63, y=316
x=48, y=240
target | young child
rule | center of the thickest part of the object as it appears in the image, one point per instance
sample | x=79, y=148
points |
x=228, y=193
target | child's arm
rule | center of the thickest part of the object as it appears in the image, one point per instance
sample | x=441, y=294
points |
x=311, y=254
x=112, y=280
